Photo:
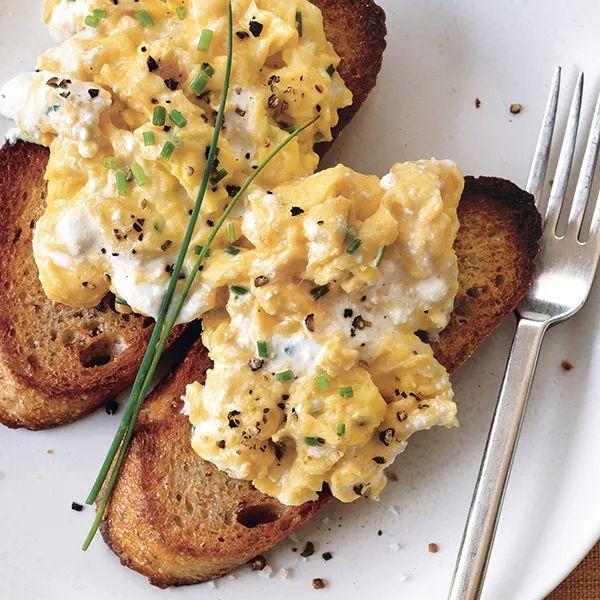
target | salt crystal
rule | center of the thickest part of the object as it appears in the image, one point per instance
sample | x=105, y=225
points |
x=266, y=572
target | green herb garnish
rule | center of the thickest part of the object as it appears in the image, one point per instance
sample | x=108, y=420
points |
x=354, y=246
x=322, y=382
x=144, y=18
x=285, y=376
x=319, y=291
x=199, y=83
x=313, y=441
x=181, y=13
x=239, y=290
x=379, y=256
x=110, y=162
x=299, y=23
x=149, y=138
x=121, y=182
x=177, y=118
x=346, y=392
x=232, y=250
x=205, y=40
x=341, y=429
x=138, y=174
x=263, y=349
x=167, y=150
x=159, y=116
x=162, y=329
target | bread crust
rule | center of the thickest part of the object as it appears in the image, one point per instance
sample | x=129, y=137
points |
x=56, y=363
x=174, y=517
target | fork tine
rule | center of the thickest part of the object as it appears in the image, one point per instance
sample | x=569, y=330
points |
x=537, y=176
x=586, y=177
x=594, y=238
x=565, y=161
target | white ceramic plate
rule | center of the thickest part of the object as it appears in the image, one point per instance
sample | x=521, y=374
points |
x=442, y=55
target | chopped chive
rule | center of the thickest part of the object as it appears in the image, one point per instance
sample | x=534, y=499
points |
x=346, y=392
x=322, y=382
x=205, y=40
x=91, y=21
x=165, y=321
x=218, y=177
x=239, y=290
x=354, y=246
x=121, y=182
x=299, y=22
x=199, y=83
x=313, y=441
x=318, y=136
x=138, y=174
x=100, y=13
x=285, y=376
x=379, y=256
x=198, y=251
x=181, y=13
x=352, y=232
x=167, y=150
x=341, y=429
x=263, y=350
x=109, y=162
x=144, y=18
x=178, y=118
x=157, y=227
x=232, y=250
x=208, y=69
x=149, y=138
x=120, y=301
x=330, y=70
x=159, y=116
x=231, y=231
x=319, y=291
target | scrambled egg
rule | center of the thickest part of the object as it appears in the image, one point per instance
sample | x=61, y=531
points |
x=319, y=297
x=321, y=374
x=127, y=105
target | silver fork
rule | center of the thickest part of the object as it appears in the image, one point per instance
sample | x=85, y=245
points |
x=565, y=273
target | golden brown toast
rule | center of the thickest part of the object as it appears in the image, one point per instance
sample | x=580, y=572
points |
x=58, y=364
x=178, y=520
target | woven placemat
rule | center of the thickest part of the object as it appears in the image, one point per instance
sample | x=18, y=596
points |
x=584, y=582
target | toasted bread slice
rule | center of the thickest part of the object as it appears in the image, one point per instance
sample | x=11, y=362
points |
x=178, y=520
x=56, y=363
x=77, y=359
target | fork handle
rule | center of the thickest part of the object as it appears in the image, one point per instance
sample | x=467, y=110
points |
x=478, y=537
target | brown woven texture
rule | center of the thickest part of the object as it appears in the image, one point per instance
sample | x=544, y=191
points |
x=584, y=582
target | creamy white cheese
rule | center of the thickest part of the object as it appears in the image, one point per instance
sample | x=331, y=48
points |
x=142, y=283
x=389, y=181
x=67, y=18
x=299, y=352
x=44, y=103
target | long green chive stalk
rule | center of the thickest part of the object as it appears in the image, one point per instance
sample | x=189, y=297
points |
x=125, y=431
x=170, y=324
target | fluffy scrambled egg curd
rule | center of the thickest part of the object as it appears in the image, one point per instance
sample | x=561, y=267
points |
x=318, y=295
x=127, y=105
x=321, y=373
